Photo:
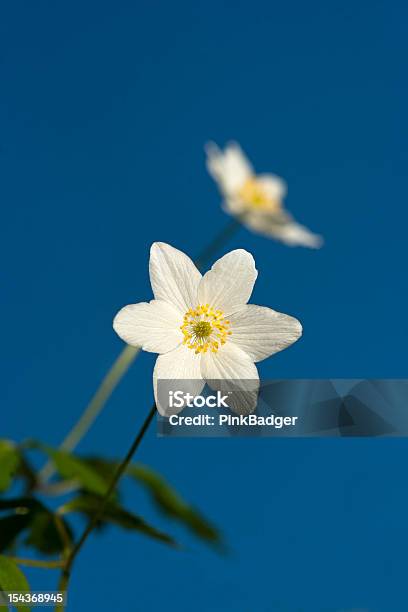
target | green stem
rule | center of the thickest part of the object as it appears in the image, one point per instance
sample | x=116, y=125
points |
x=57, y=564
x=226, y=233
x=95, y=406
x=66, y=573
x=62, y=588
x=65, y=539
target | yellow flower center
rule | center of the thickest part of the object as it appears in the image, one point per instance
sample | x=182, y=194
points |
x=205, y=328
x=254, y=195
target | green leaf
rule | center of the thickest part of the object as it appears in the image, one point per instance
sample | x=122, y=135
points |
x=105, y=469
x=115, y=514
x=73, y=468
x=43, y=533
x=10, y=529
x=13, y=579
x=13, y=524
x=27, y=473
x=9, y=462
x=171, y=504
x=164, y=496
x=21, y=505
x=32, y=516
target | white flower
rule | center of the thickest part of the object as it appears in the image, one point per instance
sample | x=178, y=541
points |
x=257, y=199
x=202, y=326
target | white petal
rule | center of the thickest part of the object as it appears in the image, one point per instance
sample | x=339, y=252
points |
x=215, y=160
x=233, y=206
x=231, y=371
x=283, y=228
x=229, y=283
x=261, y=332
x=294, y=234
x=230, y=362
x=173, y=276
x=154, y=326
x=178, y=370
x=229, y=168
x=274, y=186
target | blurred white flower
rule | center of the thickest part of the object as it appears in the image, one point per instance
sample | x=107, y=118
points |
x=202, y=326
x=257, y=199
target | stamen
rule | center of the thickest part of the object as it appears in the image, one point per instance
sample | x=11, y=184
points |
x=254, y=195
x=204, y=328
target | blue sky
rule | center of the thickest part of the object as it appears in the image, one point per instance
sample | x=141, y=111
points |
x=104, y=114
